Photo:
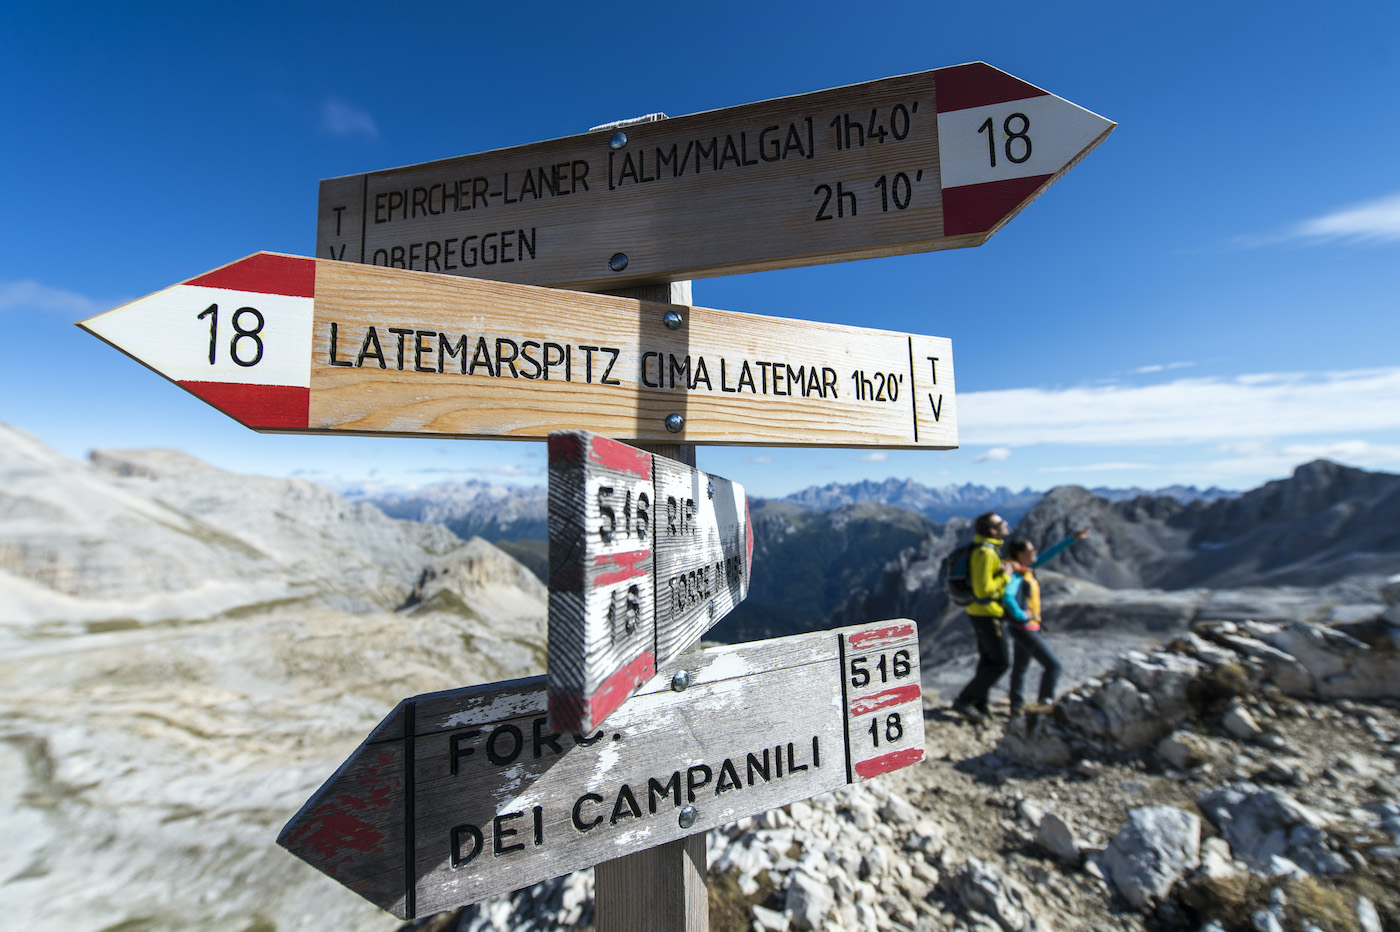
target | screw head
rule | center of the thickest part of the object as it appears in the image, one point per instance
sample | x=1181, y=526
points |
x=673, y=320
x=680, y=681
x=618, y=262
x=675, y=423
x=618, y=140
x=688, y=816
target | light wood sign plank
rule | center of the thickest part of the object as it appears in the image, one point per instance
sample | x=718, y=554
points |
x=645, y=555
x=460, y=795
x=284, y=343
x=935, y=160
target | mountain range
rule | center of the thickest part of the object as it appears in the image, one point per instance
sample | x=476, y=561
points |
x=188, y=653
x=472, y=508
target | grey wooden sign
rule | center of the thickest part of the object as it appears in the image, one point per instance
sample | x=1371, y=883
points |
x=936, y=160
x=645, y=555
x=464, y=794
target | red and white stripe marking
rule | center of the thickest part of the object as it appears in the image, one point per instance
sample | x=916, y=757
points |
x=884, y=698
x=165, y=332
x=977, y=194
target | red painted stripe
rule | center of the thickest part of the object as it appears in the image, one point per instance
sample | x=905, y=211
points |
x=266, y=273
x=880, y=636
x=617, y=688
x=619, y=456
x=897, y=695
x=565, y=447
x=748, y=533
x=334, y=831
x=977, y=85
x=284, y=406
x=866, y=769
x=623, y=565
x=978, y=208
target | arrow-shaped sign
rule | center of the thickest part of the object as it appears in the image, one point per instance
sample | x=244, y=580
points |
x=461, y=795
x=645, y=555
x=935, y=160
x=283, y=343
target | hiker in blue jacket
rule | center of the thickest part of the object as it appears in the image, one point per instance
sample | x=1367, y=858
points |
x=1021, y=601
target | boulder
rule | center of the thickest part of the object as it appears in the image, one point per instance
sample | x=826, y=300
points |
x=1390, y=590
x=1270, y=831
x=1338, y=665
x=1239, y=723
x=982, y=888
x=1055, y=836
x=809, y=899
x=1166, y=677
x=1155, y=848
x=1184, y=750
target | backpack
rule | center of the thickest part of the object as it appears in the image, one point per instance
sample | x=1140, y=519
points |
x=955, y=574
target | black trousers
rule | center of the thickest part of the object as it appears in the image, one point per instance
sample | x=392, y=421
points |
x=993, y=658
x=1030, y=645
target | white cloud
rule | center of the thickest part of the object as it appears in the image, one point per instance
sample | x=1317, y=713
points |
x=758, y=460
x=1376, y=221
x=1259, y=406
x=31, y=295
x=1251, y=458
x=1162, y=367
x=342, y=119
x=878, y=456
x=1099, y=467
x=995, y=453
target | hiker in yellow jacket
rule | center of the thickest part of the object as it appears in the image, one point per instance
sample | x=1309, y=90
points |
x=988, y=579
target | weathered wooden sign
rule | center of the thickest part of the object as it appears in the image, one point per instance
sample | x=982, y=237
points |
x=460, y=795
x=283, y=343
x=934, y=160
x=645, y=555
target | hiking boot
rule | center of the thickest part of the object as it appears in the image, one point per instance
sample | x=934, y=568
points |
x=970, y=712
x=1016, y=709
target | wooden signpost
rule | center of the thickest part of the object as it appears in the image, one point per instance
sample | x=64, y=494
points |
x=284, y=343
x=935, y=160
x=460, y=795
x=645, y=555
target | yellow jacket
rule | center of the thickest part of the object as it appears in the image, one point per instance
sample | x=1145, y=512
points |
x=988, y=578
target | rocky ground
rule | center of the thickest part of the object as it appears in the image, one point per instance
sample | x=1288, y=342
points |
x=1242, y=777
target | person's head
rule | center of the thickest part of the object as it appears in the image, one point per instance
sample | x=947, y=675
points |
x=990, y=524
x=1020, y=550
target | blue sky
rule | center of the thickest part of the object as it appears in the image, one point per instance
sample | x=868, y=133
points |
x=1209, y=298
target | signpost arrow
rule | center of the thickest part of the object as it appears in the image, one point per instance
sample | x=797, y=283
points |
x=283, y=343
x=935, y=160
x=461, y=795
x=645, y=555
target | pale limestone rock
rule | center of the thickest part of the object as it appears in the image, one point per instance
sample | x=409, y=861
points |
x=1367, y=915
x=984, y=889
x=1156, y=847
x=809, y=899
x=769, y=920
x=1184, y=750
x=1240, y=724
x=1054, y=835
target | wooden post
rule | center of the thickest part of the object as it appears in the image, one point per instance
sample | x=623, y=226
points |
x=662, y=889
x=658, y=890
